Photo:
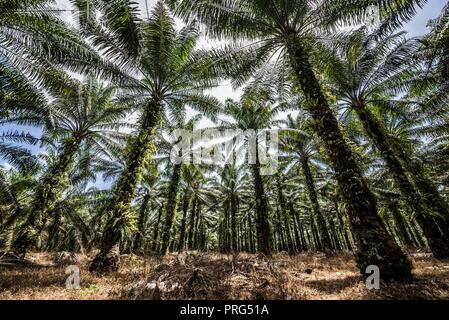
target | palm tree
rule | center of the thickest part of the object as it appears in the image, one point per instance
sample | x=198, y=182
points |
x=290, y=29
x=231, y=186
x=192, y=178
x=161, y=71
x=15, y=192
x=90, y=122
x=166, y=147
x=146, y=200
x=255, y=111
x=298, y=140
x=366, y=68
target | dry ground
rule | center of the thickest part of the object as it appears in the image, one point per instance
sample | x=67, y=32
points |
x=214, y=276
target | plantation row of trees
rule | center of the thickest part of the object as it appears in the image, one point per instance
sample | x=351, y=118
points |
x=362, y=114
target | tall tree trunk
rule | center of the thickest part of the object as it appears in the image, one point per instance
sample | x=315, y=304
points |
x=263, y=226
x=171, y=205
x=300, y=246
x=233, y=212
x=251, y=236
x=426, y=187
x=155, y=244
x=119, y=212
x=374, y=245
x=182, y=231
x=346, y=232
x=284, y=214
x=400, y=222
x=196, y=228
x=318, y=214
x=46, y=197
x=192, y=224
x=141, y=223
x=280, y=231
x=53, y=232
x=438, y=243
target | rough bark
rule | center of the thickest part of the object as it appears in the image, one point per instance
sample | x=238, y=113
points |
x=46, y=197
x=233, y=212
x=300, y=246
x=326, y=244
x=170, y=210
x=155, y=243
x=400, y=223
x=374, y=245
x=182, y=231
x=192, y=224
x=426, y=187
x=284, y=214
x=438, y=243
x=141, y=224
x=139, y=151
x=263, y=226
x=251, y=236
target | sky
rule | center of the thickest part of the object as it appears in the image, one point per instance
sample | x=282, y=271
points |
x=416, y=27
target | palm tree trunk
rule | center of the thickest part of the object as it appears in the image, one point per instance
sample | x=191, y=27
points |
x=400, y=223
x=438, y=243
x=283, y=208
x=374, y=245
x=192, y=224
x=251, y=236
x=280, y=232
x=431, y=195
x=182, y=231
x=139, y=150
x=141, y=224
x=233, y=212
x=170, y=211
x=426, y=187
x=46, y=197
x=318, y=214
x=197, y=226
x=263, y=226
x=300, y=246
x=155, y=244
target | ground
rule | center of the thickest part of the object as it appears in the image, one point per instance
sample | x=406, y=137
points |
x=192, y=275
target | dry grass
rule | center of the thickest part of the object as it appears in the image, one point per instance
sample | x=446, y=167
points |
x=215, y=276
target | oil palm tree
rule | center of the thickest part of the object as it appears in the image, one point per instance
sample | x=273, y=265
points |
x=255, y=111
x=291, y=29
x=191, y=182
x=297, y=139
x=366, y=69
x=167, y=146
x=89, y=121
x=161, y=71
x=146, y=199
x=231, y=187
x=15, y=192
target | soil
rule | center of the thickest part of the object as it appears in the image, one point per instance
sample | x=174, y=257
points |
x=197, y=276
